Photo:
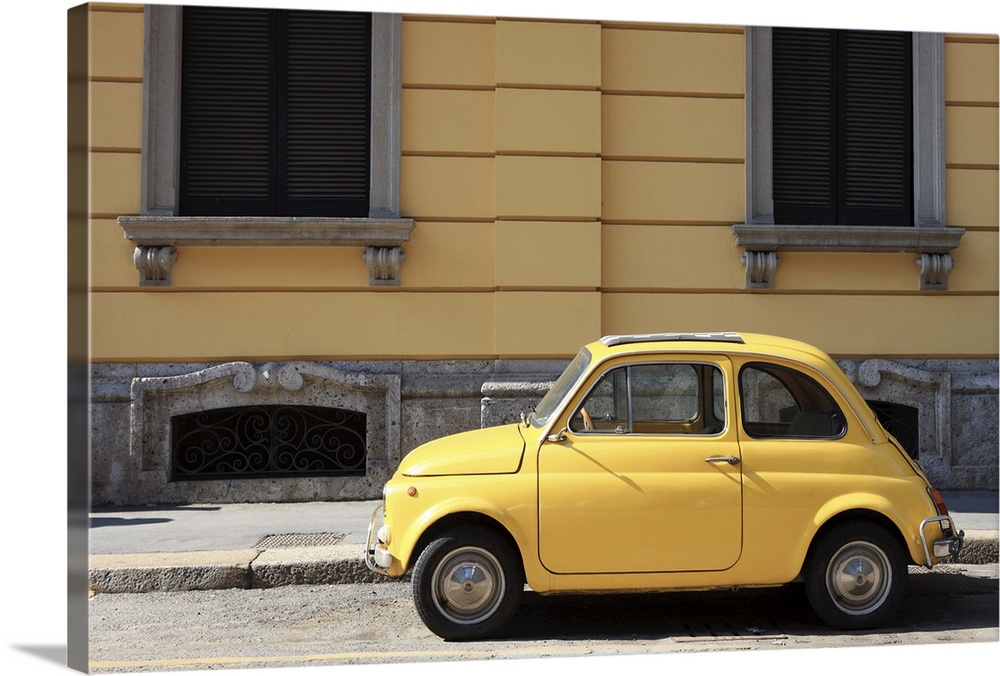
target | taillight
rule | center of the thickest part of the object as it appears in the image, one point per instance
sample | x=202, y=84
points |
x=938, y=501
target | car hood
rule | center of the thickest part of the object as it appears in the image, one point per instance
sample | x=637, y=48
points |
x=494, y=450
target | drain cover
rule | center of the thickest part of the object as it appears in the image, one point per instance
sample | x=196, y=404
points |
x=299, y=540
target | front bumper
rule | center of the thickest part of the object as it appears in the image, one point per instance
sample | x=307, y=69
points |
x=377, y=556
x=950, y=545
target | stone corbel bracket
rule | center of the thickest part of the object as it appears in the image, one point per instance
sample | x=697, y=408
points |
x=760, y=267
x=156, y=239
x=762, y=242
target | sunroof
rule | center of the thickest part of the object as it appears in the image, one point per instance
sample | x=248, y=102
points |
x=710, y=337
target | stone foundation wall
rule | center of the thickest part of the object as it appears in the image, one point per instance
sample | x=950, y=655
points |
x=410, y=402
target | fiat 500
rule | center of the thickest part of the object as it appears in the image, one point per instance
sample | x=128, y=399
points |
x=666, y=462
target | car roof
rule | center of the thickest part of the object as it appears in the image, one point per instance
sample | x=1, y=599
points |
x=706, y=341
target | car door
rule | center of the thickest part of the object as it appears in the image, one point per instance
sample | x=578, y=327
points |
x=645, y=476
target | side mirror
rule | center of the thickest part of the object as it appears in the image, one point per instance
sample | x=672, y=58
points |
x=557, y=437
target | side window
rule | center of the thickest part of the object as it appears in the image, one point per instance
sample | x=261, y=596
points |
x=664, y=393
x=606, y=406
x=663, y=398
x=781, y=402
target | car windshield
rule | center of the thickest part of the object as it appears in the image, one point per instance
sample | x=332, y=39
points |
x=562, y=387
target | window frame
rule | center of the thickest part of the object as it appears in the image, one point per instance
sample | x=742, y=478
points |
x=928, y=236
x=162, y=105
x=158, y=229
x=767, y=368
x=264, y=131
x=704, y=394
x=829, y=98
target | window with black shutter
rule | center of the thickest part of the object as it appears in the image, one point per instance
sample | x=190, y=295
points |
x=842, y=127
x=275, y=113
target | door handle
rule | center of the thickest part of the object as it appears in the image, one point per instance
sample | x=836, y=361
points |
x=731, y=459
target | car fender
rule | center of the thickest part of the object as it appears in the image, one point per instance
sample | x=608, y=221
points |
x=906, y=527
x=404, y=548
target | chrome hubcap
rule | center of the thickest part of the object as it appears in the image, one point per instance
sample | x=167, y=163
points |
x=859, y=578
x=468, y=585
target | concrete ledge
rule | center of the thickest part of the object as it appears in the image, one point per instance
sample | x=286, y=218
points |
x=171, y=571
x=241, y=569
x=337, y=564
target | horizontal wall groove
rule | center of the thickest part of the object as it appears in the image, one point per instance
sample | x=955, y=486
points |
x=448, y=219
x=447, y=18
x=113, y=150
x=544, y=153
x=567, y=20
x=546, y=219
x=982, y=167
x=114, y=8
x=971, y=104
x=846, y=293
x=546, y=289
x=971, y=39
x=672, y=28
x=301, y=290
x=457, y=154
x=675, y=160
x=547, y=87
x=113, y=79
x=656, y=224
x=673, y=94
x=438, y=86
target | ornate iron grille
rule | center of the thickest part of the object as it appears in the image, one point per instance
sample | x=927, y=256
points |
x=902, y=422
x=268, y=441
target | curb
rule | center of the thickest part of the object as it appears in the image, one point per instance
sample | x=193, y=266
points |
x=338, y=564
x=242, y=569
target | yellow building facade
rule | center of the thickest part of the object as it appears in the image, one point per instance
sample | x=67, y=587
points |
x=550, y=182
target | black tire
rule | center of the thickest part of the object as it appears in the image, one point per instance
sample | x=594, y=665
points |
x=856, y=576
x=467, y=584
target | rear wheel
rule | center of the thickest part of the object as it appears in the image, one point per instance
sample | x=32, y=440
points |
x=856, y=577
x=467, y=584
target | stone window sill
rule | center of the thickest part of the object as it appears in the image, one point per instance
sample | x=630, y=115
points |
x=762, y=242
x=156, y=239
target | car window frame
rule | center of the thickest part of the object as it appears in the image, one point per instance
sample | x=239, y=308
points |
x=830, y=392
x=606, y=368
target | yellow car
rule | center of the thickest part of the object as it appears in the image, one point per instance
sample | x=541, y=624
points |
x=665, y=462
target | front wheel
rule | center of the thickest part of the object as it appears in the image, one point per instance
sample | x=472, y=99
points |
x=467, y=584
x=856, y=577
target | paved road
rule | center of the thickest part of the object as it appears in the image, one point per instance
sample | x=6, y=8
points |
x=376, y=623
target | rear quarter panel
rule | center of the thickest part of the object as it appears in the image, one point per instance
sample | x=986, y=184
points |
x=792, y=488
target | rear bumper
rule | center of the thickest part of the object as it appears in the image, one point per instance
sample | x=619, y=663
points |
x=949, y=545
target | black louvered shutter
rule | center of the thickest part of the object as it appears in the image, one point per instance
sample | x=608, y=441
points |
x=843, y=121
x=275, y=113
x=804, y=104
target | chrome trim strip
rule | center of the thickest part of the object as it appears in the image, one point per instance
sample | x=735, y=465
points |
x=708, y=337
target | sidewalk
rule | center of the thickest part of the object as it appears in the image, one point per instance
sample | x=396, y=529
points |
x=187, y=547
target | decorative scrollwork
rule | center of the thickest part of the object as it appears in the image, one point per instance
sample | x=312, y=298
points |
x=268, y=441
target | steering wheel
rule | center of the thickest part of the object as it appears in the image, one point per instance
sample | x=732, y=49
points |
x=588, y=422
